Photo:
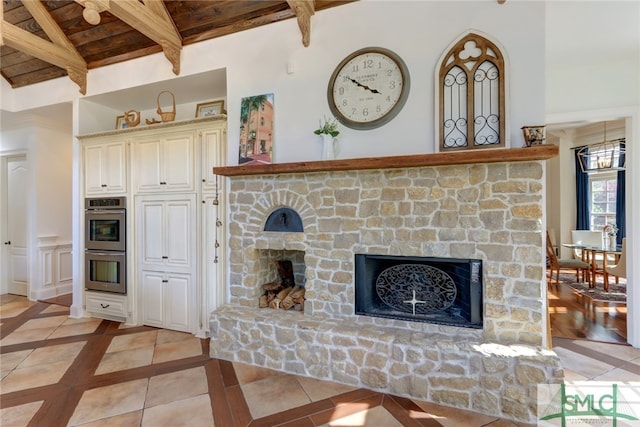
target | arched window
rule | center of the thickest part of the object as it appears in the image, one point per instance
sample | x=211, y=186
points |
x=472, y=95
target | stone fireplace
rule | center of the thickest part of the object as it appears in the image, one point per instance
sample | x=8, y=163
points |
x=459, y=206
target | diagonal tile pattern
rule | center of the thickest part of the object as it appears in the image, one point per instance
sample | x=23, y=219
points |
x=58, y=371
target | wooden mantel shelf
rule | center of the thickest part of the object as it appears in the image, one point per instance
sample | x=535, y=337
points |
x=537, y=152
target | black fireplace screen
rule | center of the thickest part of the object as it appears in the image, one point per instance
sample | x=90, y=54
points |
x=422, y=289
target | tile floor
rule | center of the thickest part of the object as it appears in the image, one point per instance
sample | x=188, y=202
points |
x=58, y=371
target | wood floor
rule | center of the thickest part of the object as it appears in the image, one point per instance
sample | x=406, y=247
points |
x=579, y=317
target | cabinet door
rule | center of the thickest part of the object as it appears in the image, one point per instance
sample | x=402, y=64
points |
x=213, y=149
x=180, y=232
x=114, y=168
x=178, y=163
x=151, y=232
x=152, y=285
x=180, y=302
x=105, y=168
x=93, y=169
x=149, y=165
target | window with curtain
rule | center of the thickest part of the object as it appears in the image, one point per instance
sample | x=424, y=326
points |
x=603, y=192
x=472, y=95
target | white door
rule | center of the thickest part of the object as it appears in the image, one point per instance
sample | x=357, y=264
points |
x=16, y=273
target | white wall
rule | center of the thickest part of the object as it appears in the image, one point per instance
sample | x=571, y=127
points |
x=48, y=147
x=419, y=31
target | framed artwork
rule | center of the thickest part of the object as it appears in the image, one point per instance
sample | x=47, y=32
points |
x=212, y=108
x=121, y=123
x=256, y=129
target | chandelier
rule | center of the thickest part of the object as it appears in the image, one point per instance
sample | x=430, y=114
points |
x=604, y=156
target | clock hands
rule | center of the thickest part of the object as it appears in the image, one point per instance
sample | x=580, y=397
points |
x=363, y=86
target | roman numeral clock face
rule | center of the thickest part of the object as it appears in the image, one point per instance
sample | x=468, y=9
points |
x=368, y=88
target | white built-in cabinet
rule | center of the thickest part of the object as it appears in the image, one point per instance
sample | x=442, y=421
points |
x=174, y=204
x=165, y=162
x=166, y=237
x=105, y=167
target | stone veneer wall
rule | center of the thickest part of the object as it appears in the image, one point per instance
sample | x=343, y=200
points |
x=488, y=211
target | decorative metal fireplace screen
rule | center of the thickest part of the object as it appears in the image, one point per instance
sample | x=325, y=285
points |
x=435, y=290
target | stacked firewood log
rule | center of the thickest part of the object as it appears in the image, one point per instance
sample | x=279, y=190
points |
x=284, y=294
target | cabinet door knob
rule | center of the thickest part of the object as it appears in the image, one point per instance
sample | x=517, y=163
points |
x=7, y=242
x=105, y=305
x=165, y=257
x=165, y=281
x=103, y=185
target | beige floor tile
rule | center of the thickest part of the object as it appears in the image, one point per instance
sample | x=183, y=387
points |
x=8, y=312
x=75, y=321
x=7, y=298
x=617, y=375
x=177, y=350
x=2, y=375
x=9, y=361
x=29, y=335
x=130, y=419
x=623, y=352
x=581, y=364
x=195, y=411
x=569, y=375
x=82, y=328
x=132, y=341
x=265, y=397
x=318, y=390
x=175, y=386
x=123, y=360
x=19, y=415
x=166, y=336
x=55, y=308
x=376, y=417
x=249, y=373
x=34, y=376
x=46, y=322
x=54, y=353
x=104, y=402
x=14, y=306
x=453, y=417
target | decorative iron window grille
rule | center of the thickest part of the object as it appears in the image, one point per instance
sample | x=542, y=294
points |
x=472, y=88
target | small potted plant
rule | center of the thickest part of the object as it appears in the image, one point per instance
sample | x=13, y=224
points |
x=329, y=127
x=328, y=131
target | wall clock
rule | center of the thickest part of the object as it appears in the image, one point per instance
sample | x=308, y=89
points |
x=368, y=88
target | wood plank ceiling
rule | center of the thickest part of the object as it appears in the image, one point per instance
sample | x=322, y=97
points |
x=44, y=40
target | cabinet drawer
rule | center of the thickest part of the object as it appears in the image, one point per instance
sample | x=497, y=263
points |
x=104, y=305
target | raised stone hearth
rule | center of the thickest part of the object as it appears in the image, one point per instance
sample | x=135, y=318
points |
x=486, y=211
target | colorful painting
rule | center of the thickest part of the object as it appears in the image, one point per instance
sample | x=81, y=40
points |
x=256, y=130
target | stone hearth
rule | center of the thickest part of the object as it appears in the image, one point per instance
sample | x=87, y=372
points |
x=486, y=211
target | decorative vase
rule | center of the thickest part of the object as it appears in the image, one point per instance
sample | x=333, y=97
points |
x=533, y=135
x=328, y=147
x=612, y=242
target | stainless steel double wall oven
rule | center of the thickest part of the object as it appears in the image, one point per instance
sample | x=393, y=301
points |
x=105, y=244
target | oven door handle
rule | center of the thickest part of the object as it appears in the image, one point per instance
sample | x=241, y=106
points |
x=89, y=251
x=105, y=211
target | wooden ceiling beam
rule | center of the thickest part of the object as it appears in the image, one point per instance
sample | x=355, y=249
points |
x=59, y=51
x=151, y=19
x=303, y=9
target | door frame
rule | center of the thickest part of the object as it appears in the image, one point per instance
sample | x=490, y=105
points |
x=4, y=203
x=631, y=116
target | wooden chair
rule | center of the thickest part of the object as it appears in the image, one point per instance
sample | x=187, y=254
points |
x=620, y=269
x=556, y=264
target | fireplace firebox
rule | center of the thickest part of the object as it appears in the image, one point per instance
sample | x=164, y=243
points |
x=421, y=289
